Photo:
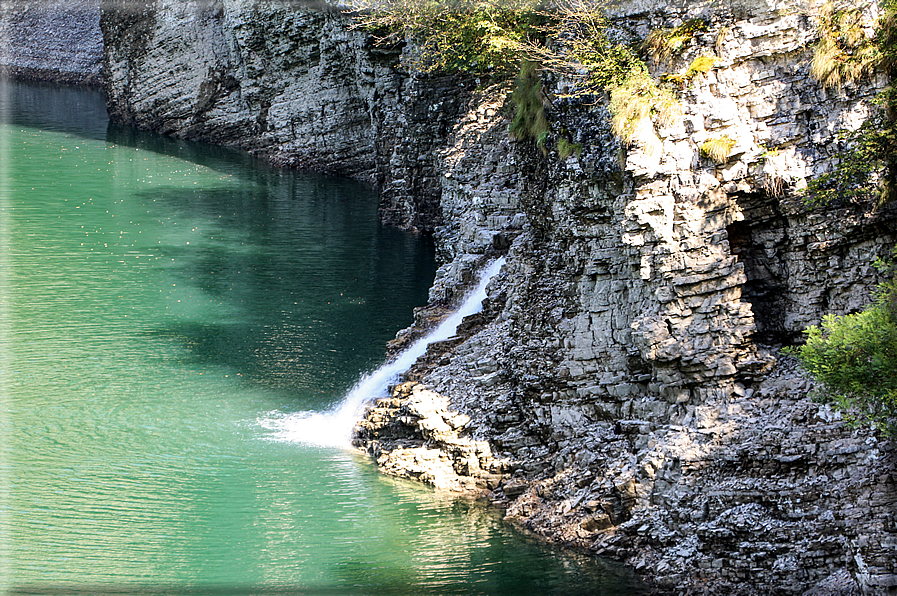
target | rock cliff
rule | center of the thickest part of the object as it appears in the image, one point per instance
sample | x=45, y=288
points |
x=52, y=41
x=290, y=81
x=623, y=390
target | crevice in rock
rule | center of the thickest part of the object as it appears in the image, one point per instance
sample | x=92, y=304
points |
x=759, y=242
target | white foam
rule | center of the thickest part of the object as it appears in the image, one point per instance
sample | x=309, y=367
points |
x=333, y=428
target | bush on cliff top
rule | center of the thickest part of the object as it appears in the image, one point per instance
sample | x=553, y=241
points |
x=579, y=48
x=481, y=38
x=490, y=38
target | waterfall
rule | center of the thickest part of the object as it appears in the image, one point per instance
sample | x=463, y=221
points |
x=334, y=427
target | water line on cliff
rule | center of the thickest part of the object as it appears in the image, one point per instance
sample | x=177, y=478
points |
x=333, y=428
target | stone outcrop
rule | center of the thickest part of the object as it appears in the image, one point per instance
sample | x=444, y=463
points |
x=631, y=373
x=415, y=435
x=623, y=391
x=52, y=41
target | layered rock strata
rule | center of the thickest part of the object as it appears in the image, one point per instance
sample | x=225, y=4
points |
x=623, y=390
x=415, y=435
x=290, y=81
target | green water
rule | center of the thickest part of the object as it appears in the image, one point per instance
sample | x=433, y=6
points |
x=159, y=299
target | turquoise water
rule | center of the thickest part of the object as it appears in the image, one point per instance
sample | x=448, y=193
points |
x=160, y=299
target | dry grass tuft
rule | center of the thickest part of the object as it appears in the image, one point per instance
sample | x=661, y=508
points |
x=718, y=149
x=700, y=65
x=844, y=53
x=636, y=104
x=721, y=39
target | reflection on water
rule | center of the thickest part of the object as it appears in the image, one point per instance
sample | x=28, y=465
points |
x=158, y=298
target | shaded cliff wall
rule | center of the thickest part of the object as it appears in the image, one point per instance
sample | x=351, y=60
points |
x=289, y=81
x=44, y=40
x=623, y=391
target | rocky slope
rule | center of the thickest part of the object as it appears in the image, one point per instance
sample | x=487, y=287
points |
x=622, y=391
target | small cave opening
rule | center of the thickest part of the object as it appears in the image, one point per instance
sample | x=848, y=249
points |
x=759, y=246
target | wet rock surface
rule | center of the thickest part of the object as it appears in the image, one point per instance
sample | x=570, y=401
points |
x=414, y=435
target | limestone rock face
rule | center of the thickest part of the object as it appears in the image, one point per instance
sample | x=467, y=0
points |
x=629, y=367
x=52, y=41
x=415, y=435
x=289, y=81
x=623, y=390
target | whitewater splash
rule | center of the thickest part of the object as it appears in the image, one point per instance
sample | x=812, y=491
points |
x=333, y=428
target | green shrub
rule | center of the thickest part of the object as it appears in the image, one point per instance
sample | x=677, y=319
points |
x=855, y=358
x=481, y=38
x=578, y=47
x=580, y=44
x=529, y=120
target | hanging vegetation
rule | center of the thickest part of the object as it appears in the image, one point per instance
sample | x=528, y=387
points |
x=844, y=52
x=530, y=121
x=867, y=173
x=566, y=37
